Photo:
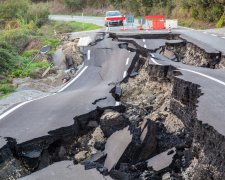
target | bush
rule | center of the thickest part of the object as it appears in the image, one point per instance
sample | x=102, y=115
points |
x=11, y=9
x=38, y=13
x=8, y=60
x=74, y=3
x=195, y=13
x=221, y=22
x=17, y=38
x=6, y=89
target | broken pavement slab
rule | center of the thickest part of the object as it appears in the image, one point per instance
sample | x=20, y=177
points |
x=84, y=41
x=66, y=170
x=115, y=147
x=163, y=160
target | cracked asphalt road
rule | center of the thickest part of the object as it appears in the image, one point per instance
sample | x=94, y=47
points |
x=107, y=63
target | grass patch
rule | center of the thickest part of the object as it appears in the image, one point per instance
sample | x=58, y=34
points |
x=66, y=27
x=6, y=88
x=197, y=24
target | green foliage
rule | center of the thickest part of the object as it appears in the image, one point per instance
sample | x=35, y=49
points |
x=12, y=9
x=74, y=3
x=17, y=38
x=221, y=22
x=38, y=13
x=53, y=42
x=8, y=60
x=65, y=27
x=24, y=11
x=6, y=89
x=195, y=13
x=30, y=53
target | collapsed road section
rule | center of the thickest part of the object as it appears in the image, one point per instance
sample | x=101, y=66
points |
x=155, y=132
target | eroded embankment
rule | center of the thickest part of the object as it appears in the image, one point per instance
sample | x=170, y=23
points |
x=196, y=54
x=154, y=134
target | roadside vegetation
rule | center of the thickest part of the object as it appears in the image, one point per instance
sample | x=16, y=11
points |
x=24, y=29
x=192, y=13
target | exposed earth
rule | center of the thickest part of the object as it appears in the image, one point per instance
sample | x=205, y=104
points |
x=153, y=133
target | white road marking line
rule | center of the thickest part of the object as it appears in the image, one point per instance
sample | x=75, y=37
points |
x=143, y=40
x=205, y=32
x=195, y=72
x=145, y=46
x=22, y=104
x=124, y=74
x=18, y=106
x=127, y=61
x=206, y=76
x=89, y=54
x=70, y=82
x=153, y=60
x=214, y=35
x=223, y=37
x=117, y=103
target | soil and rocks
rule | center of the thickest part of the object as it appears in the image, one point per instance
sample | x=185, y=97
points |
x=192, y=53
x=153, y=134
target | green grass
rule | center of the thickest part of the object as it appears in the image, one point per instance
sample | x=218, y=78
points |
x=66, y=27
x=14, y=60
x=6, y=88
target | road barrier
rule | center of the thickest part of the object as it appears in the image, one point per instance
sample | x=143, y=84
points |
x=171, y=23
x=158, y=22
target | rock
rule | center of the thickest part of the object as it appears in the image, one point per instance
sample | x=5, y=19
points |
x=166, y=176
x=81, y=156
x=112, y=121
x=59, y=59
x=97, y=136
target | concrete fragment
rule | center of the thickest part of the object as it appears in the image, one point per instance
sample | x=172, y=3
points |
x=66, y=170
x=163, y=160
x=115, y=147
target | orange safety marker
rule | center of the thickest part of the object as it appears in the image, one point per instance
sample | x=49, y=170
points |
x=139, y=27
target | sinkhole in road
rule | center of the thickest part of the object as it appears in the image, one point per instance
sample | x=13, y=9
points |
x=153, y=134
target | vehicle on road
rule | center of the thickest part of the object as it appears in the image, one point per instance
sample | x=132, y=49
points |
x=113, y=22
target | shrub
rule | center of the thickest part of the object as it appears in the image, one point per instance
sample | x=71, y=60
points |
x=17, y=38
x=38, y=13
x=8, y=60
x=195, y=13
x=221, y=22
x=12, y=9
x=74, y=3
x=6, y=88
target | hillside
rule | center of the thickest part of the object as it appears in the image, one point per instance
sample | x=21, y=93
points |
x=195, y=13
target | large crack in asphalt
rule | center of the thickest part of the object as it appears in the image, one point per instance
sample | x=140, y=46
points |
x=153, y=134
